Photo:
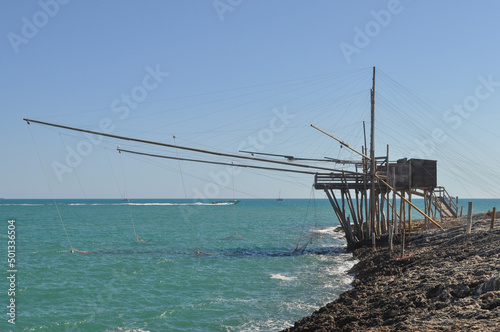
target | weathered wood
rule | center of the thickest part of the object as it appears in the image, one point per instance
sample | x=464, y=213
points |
x=340, y=141
x=383, y=219
x=402, y=212
x=409, y=212
x=394, y=208
x=493, y=218
x=468, y=226
x=391, y=235
x=386, y=195
x=413, y=205
x=403, y=243
x=344, y=223
x=353, y=213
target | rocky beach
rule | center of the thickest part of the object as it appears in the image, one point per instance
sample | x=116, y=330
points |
x=446, y=281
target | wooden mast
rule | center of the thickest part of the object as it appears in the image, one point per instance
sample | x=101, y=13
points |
x=373, y=167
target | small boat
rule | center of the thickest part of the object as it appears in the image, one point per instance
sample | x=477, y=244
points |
x=279, y=199
x=229, y=202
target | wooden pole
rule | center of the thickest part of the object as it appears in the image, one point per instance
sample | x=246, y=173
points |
x=409, y=212
x=131, y=139
x=493, y=218
x=402, y=212
x=372, y=156
x=394, y=207
x=468, y=227
x=403, y=244
x=382, y=214
x=340, y=141
x=386, y=196
x=391, y=234
x=345, y=226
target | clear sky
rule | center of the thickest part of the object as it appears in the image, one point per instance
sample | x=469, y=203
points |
x=238, y=74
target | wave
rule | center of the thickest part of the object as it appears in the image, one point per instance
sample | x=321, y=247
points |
x=23, y=204
x=167, y=204
x=135, y=204
x=282, y=277
x=327, y=230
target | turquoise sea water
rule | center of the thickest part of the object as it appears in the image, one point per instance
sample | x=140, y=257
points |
x=246, y=279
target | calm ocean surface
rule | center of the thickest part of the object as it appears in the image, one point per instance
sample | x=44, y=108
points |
x=248, y=280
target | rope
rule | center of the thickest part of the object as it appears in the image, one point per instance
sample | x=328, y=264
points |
x=50, y=189
x=139, y=239
x=114, y=175
x=198, y=251
x=74, y=169
x=235, y=234
x=312, y=235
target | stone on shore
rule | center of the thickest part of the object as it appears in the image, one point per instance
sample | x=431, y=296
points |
x=447, y=281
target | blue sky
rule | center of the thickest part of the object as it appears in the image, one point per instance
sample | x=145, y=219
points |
x=222, y=75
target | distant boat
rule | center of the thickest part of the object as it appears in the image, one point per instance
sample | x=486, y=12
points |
x=279, y=199
x=229, y=202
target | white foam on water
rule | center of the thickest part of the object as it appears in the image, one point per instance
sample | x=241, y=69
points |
x=282, y=277
x=268, y=325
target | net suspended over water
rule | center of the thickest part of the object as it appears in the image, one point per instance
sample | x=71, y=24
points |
x=302, y=242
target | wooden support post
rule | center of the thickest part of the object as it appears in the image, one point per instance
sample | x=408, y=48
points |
x=359, y=210
x=403, y=244
x=383, y=219
x=426, y=204
x=402, y=212
x=351, y=208
x=377, y=215
x=386, y=195
x=409, y=212
x=342, y=193
x=367, y=216
x=342, y=219
x=468, y=227
x=391, y=235
x=413, y=205
x=394, y=207
x=461, y=210
x=493, y=218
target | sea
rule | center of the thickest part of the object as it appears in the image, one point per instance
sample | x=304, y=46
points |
x=170, y=265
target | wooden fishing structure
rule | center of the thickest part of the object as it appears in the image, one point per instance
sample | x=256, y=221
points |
x=373, y=199
x=366, y=204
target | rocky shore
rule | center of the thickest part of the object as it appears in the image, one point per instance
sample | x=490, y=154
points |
x=446, y=281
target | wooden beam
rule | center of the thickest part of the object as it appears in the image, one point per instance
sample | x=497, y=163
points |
x=413, y=205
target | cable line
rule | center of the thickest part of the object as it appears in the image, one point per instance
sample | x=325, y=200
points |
x=51, y=193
